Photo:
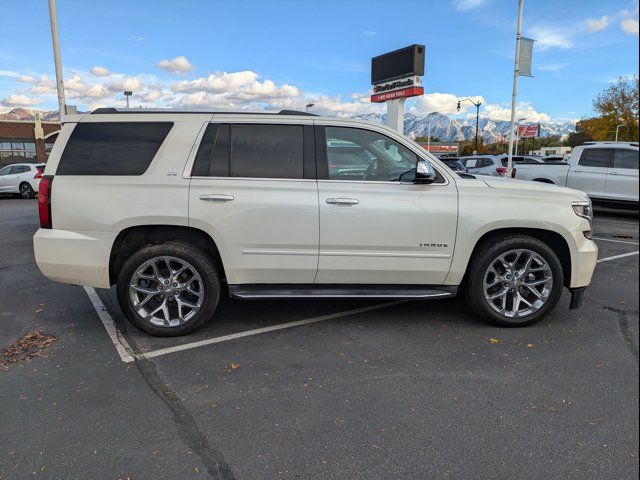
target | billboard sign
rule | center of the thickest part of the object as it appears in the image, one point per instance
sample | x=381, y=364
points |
x=406, y=62
x=403, y=93
x=528, y=131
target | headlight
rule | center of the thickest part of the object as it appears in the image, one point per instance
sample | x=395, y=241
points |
x=584, y=210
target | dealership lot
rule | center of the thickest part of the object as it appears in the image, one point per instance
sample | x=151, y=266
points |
x=318, y=389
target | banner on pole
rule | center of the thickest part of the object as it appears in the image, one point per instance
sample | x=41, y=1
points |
x=526, y=55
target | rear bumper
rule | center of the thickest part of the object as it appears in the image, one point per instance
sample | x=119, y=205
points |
x=79, y=258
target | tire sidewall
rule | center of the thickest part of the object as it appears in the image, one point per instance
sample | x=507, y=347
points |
x=202, y=264
x=477, y=284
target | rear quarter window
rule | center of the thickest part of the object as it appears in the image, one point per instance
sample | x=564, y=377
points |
x=112, y=148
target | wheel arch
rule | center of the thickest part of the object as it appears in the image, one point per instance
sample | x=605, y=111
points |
x=544, y=180
x=133, y=238
x=556, y=241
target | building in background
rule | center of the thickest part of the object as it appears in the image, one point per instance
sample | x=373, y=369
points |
x=441, y=149
x=26, y=141
x=545, y=151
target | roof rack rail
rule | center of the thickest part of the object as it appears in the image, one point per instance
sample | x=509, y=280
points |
x=108, y=110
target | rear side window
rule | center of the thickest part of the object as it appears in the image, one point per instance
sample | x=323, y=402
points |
x=267, y=151
x=122, y=148
x=627, y=159
x=212, y=158
x=596, y=157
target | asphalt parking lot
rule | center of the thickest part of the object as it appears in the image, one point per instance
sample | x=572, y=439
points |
x=317, y=389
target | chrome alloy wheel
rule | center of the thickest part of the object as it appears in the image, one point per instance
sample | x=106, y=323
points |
x=166, y=291
x=518, y=283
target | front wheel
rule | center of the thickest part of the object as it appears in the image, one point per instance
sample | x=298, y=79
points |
x=168, y=289
x=514, y=281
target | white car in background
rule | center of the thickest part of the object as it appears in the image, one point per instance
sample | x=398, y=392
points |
x=21, y=178
x=606, y=171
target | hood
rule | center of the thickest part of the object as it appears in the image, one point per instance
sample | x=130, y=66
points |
x=524, y=187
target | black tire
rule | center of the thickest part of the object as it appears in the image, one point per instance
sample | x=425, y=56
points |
x=201, y=262
x=27, y=191
x=485, y=255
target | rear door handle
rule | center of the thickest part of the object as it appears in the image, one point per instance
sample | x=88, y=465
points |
x=614, y=173
x=343, y=201
x=216, y=197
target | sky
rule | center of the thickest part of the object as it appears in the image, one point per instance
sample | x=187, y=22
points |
x=276, y=54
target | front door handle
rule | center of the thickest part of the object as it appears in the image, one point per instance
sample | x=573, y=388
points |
x=343, y=201
x=216, y=197
x=614, y=173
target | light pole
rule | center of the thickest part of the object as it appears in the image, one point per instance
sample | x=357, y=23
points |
x=617, y=130
x=308, y=106
x=56, y=59
x=429, y=130
x=127, y=94
x=477, y=105
x=517, y=132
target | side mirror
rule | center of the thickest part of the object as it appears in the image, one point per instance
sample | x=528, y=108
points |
x=425, y=172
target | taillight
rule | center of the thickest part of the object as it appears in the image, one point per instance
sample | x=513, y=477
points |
x=503, y=171
x=44, y=201
x=38, y=174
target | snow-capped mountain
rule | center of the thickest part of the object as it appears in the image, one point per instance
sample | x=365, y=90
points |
x=451, y=129
x=445, y=128
x=30, y=115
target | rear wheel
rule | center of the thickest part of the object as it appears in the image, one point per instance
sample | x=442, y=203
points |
x=169, y=289
x=26, y=191
x=514, y=281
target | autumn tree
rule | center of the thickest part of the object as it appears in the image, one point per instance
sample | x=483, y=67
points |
x=617, y=105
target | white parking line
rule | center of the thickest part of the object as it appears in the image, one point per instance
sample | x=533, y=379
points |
x=615, y=257
x=122, y=346
x=258, y=331
x=615, y=241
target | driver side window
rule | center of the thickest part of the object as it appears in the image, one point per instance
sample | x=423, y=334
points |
x=357, y=154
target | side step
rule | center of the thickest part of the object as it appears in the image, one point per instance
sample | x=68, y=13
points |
x=250, y=292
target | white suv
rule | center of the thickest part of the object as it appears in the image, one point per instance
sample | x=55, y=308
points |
x=177, y=207
x=21, y=178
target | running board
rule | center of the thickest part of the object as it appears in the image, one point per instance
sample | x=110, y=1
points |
x=250, y=292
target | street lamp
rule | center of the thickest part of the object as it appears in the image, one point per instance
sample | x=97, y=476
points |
x=429, y=130
x=477, y=105
x=127, y=94
x=617, y=130
x=517, y=131
x=308, y=106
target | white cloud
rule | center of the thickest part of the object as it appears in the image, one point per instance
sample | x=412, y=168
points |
x=26, y=79
x=630, y=26
x=463, y=5
x=551, y=37
x=177, y=65
x=100, y=71
x=554, y=67
x=127, y=83
x=503, y=112
x=19, y=100
x=369, y=33
x=43, y=86
x=595, y=25
x=9, y=74
x=221, y=88
x=445, y=103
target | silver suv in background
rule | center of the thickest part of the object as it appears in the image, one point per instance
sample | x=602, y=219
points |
x=494, y=165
